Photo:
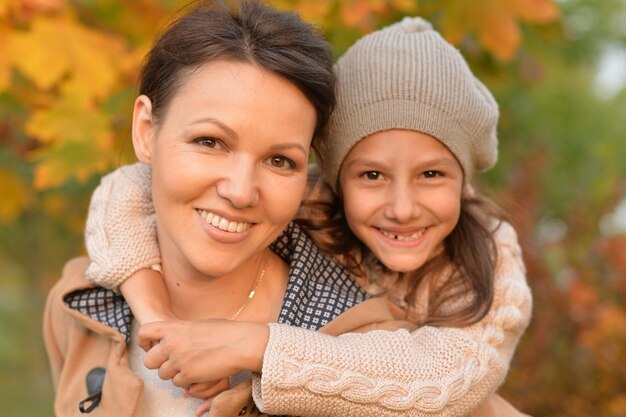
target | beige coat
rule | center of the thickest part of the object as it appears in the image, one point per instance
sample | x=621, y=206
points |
x=76, y=344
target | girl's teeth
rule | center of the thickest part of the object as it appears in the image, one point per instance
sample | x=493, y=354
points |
x=222, y=223
x=403, y=238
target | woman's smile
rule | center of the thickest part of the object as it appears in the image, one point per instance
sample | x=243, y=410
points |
x=224, y=223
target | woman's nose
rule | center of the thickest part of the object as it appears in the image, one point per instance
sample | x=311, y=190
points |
x=239, y=185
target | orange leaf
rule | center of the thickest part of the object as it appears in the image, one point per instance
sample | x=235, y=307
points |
x=44, y=6
x=356, y=12
x=498, y=31
x=534, y=11
x=16, y=196
x=4, y=8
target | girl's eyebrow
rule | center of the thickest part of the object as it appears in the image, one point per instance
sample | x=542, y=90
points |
x=434, y=161
x=440, y=161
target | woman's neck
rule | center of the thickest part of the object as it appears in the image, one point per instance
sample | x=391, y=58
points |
x=200, y=297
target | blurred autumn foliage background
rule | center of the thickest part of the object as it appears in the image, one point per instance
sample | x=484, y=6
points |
x=557, y=67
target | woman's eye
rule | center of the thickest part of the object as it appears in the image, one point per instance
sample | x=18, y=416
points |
x=372, y=175
x=281, y=162
x=432, y=174
x=207, y=142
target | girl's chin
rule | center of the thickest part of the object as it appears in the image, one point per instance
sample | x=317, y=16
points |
x=400, y=265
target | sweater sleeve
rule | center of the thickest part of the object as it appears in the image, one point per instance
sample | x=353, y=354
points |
x=121, y=226
x=429, y=372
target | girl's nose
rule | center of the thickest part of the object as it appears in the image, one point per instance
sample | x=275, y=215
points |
x=403, y=206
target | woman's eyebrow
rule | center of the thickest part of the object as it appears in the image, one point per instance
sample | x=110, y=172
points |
x=289, y=145
x=218, y=123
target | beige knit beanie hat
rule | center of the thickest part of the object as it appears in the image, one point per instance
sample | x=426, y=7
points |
x=406, y=76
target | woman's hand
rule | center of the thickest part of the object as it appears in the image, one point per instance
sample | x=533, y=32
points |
x=191, y=352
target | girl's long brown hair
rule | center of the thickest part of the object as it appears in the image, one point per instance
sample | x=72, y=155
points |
x=469, y=258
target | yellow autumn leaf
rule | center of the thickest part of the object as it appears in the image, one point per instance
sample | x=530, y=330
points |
x=16, y=196
x=5, y=58
x=311, y=11
x=59, y=163
x=534, y=11
x=58, y=50
x=456, y=21
x=41, y=54
x=406, y=6
x=71, y=120
x=96, y=62
x=54, y=205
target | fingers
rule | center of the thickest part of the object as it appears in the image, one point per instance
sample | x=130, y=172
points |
x=168, y=370
x=156, y=357
x=206, y=390
x=204, y=407
x=150, y=334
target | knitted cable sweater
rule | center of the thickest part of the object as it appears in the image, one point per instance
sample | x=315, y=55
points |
x=432, y=371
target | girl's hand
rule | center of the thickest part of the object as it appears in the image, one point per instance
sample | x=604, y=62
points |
x=189, y=352
x=205, y=391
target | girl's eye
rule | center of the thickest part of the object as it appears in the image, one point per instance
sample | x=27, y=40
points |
x=432, y=174
x=281, y=162
x=372, y=175
x=207, y=142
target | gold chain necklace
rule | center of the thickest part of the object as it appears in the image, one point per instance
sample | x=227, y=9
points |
x=258, y=280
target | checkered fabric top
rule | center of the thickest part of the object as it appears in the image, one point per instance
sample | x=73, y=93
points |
x=318, y=290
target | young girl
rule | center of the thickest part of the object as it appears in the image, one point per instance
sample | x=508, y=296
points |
x=411, y=127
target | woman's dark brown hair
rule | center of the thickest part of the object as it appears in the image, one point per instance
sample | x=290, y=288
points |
x=466, y=266
x=243, y=31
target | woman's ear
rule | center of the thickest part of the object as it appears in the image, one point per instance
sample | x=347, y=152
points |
x=143, y=129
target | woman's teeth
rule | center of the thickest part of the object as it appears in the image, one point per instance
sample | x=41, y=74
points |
x=222, y=223
x=403, y=237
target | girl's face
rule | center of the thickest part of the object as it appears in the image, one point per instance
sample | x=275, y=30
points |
x=402, y=196
x=229, y=165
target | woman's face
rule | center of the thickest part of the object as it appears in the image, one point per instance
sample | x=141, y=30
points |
x=402, y=196
x=229, y=164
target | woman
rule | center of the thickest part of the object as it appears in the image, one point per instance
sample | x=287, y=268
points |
x=412, y=126
x=229, y=101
